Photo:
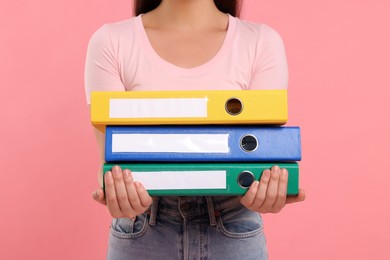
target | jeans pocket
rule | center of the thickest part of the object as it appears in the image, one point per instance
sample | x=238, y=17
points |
x=129, y=229
x=239, y=222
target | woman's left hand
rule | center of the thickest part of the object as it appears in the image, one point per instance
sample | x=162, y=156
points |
x=269, y=195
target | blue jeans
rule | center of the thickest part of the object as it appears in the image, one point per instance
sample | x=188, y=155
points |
x=190, y=228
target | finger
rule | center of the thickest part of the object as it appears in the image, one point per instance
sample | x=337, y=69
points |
x=261, y=192
x=143, y=195
x=272, y=190
x=98, y=195
x=111, y=200
x=121, y=191
x=301, y=197
x=132, y=194
x=250, y=195
x=282, y=192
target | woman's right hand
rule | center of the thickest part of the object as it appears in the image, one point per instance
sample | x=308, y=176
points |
x=125, y=198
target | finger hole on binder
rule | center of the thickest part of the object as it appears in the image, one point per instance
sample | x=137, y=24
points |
x=233, y=106
x=245, y=179
x=248, y=143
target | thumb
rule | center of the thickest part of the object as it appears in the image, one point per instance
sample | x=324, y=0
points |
x=98, y=195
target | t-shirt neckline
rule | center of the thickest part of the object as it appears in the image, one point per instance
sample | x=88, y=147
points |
x=147, y=46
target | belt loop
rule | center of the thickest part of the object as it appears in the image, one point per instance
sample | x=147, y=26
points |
x=210, y=207
x=153, y=211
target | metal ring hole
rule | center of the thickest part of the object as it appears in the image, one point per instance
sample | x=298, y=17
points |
x=245, y=179
x=248, y=143
x=233, y=106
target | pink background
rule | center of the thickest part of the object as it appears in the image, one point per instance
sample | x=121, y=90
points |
x=338, y=54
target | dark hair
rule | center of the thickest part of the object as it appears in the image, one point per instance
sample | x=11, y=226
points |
x=232, y=7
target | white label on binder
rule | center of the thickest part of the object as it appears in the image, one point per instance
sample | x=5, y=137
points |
x=158, y=107
x=170, y=143
x=181, y=180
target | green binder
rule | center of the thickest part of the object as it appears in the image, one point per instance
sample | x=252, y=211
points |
x=203, y=179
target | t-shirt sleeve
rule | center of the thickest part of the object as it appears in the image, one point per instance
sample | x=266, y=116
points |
x=102, y=71
x=270, y=67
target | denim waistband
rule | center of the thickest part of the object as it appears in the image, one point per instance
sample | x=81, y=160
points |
x=190, y=207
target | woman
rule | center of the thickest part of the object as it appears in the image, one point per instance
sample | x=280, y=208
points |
x=187, y=45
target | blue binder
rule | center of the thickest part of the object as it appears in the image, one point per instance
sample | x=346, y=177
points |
x=202, y=143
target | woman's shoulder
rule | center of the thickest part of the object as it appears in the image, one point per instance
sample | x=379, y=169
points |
x=115, y=31
x=249, y=29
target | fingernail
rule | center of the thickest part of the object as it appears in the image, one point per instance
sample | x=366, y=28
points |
x=275, y=171
x=115, y=170
x=109, y=175
x=126, y=173
x=284, y=173
x=267, y=173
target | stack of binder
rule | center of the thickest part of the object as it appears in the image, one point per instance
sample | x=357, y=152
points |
x=188, y=143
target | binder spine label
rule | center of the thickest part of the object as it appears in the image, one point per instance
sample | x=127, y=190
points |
x=181, y=180
x=170, y=143
x=158, y=108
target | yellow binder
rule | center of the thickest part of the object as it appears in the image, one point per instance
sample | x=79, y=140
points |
x=189, y=107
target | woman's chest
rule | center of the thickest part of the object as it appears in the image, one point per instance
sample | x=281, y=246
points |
x=186, y=49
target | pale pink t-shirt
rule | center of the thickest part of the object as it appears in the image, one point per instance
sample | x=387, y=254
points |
x=121, y=58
